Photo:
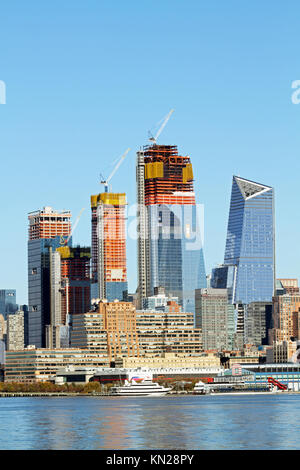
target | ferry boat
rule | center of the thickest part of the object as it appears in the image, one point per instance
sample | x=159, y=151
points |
x=141, y=388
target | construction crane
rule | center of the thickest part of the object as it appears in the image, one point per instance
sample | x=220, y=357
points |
x=164, y=122
x=105, y=182
x=75, y=225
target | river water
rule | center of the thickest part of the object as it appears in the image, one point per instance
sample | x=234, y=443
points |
x=175, y=422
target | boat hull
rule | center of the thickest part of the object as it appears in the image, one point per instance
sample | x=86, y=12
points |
x=132, y=394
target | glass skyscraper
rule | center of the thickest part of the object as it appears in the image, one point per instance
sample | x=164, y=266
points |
x=48, y=229
x=250, y=243
x=8, y=302
x=170, y=250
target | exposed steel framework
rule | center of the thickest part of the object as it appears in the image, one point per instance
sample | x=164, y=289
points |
x=172, y=183
x=108, y=238
x=75, y=278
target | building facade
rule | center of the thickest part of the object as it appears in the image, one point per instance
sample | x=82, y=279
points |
x=48, y=230
x=285, y=318
x=41, y=365
x=258, y=317
x=250, y=243
x=109, y=330
x=8, y=301
x=15, y=331
x=168, y=330
x=118, y=330
x=158, y=301
x=290, y=286
x=70, y=289
x=171, y=361
x=170, y=252
x=109, y=271
x=216, y=318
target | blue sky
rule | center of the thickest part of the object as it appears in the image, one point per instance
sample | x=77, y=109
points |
x=86, y=80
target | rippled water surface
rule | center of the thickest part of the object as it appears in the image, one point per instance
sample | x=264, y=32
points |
x=193, y=422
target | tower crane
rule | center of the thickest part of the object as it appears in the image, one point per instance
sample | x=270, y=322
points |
x=75, y=225
x=105, y=182
x=164, y=122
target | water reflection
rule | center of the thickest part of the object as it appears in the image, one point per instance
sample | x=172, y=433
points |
x=194, y=422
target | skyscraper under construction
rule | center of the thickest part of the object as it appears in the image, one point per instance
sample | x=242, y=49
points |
x=69, y=291
x=109, y=272
x=170, y=252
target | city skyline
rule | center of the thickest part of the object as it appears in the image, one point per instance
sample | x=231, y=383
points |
x=130, y=264
x=76, y=107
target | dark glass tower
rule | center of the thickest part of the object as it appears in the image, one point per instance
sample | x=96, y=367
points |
x=48, y=229
x=250, y=243
x=8, y=301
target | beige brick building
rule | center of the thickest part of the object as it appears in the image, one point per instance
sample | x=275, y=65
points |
x=15, y=331
x=169, y=361
x=118, y=330
x=170, y=331
x=40, y=365
x=111, y=330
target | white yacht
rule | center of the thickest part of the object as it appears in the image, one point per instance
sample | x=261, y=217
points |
x=201, y=388
x=141, y=388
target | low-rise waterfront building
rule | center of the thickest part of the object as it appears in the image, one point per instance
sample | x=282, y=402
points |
x=41, y=365
x=287, y=374
x=170, y=361
x=185, y=373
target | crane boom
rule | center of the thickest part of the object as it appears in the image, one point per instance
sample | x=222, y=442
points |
x=105, y=182
x=165, y=120
x=75, y=225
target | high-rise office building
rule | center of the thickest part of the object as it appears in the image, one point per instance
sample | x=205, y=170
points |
x=170, y=252
x=216, y=317
x=258, y=317
x=48, y=230
x=109, y=271
x=15, y=331
x=224, y=277
x=250, y=244
x=285, y=318
x=8, y=302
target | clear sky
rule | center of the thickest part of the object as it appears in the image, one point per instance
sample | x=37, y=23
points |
x=87, y=79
